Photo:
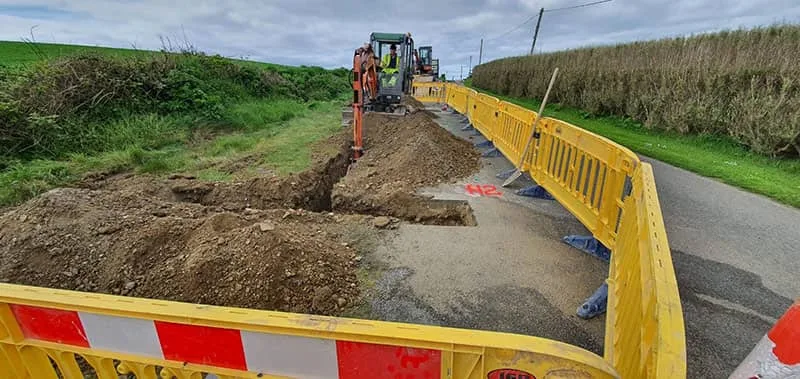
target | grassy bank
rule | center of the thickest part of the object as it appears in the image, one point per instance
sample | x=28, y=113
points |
x=20, y=53
x=715, y=157
x=739, y=84
x=267, y=145
x=73, y=112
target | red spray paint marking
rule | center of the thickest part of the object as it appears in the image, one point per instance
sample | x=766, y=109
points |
x=482, y=190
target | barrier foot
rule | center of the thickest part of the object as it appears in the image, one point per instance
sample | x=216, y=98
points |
x=506, y=174
x=589, y=245
x=595, y=305
x=485, y=144
x=535, y=191
x=468, y=127
x=491, y=153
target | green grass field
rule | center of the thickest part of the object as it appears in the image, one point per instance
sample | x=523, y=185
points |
x=18, y=53
x=710, y=156
x=268, y=145
x=227, y=119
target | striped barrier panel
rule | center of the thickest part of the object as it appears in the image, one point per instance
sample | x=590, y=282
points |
x=50, y=334
x=613, y=194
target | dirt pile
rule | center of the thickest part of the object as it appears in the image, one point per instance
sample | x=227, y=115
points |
x=402, y=155
x=269, y=243
x=123, y=243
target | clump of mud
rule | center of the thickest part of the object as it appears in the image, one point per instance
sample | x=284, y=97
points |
x=269, y=242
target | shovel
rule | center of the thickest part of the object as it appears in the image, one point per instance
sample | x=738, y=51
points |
x=518, y=172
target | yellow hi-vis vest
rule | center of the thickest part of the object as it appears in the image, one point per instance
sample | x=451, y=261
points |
x=389, y=65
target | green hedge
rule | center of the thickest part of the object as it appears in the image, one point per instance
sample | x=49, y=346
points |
x=744, y=84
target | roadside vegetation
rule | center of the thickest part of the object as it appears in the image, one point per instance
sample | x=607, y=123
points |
x=724, y=105
x=108, y=111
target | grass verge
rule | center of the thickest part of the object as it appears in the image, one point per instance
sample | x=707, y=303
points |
x=265, y=136
x=710, y=156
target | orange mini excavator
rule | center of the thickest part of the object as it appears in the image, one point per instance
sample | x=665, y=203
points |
x=383, y=87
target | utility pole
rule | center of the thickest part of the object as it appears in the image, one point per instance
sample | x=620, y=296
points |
x=536, y=33
x=469, y=71
x=461, y=73
x=480, y=54
x=541, y=12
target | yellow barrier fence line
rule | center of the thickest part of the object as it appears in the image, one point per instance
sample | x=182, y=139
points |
x=643, y=292
x=590, y=175
x=500, y=347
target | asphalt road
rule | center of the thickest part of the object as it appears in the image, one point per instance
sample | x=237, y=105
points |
x=737, y=263
x=736, y=257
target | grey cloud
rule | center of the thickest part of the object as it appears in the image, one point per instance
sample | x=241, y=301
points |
x=325, y=33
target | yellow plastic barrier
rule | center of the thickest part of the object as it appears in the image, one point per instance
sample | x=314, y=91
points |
x=613, y=194
x=457, y=97
x=512, y=131
x=93, y=335
x=429, y=92
x=485, y=114
x=645, y=336
x=585, y=172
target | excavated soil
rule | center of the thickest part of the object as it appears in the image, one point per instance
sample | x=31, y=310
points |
x=288, y=243
x=403, y=155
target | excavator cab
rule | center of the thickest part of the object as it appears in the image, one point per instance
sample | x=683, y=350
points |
x=425, y=57
x=394, y=83
x=427, y=67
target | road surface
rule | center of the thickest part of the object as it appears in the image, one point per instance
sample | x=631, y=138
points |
x=735, y=255
x=737, y=262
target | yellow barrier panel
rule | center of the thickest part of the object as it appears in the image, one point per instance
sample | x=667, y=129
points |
x=645, y=335
x=584, y=172
x=102, y=335
x=512, y=131
x=429, y=92
x=485, y=114
x=613, y=194
x=457, y=97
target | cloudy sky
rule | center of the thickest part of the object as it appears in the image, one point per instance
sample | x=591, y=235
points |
x=325, y=32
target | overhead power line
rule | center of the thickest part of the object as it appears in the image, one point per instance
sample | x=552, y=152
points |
x=578, y=6
x=511, y=30
x=542, y=11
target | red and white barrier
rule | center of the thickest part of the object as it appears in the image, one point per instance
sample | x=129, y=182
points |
x=777, y=355
x=274, y=354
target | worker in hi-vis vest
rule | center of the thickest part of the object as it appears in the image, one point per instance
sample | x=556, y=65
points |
x=390, y=63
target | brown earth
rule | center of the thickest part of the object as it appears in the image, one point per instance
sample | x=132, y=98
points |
x=404, y=154
x=270, y=242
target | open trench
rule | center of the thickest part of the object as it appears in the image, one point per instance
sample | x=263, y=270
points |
x=320, y=189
